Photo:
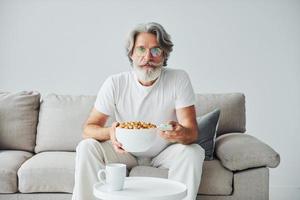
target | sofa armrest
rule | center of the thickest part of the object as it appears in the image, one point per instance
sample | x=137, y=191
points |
x=239, y=151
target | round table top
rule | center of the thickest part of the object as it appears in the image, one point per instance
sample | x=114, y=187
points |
x=145, y=188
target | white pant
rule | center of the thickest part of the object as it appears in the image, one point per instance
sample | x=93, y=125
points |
x=183, y=161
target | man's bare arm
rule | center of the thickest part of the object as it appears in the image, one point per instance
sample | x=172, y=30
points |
x=187, y=118
x=94, y=126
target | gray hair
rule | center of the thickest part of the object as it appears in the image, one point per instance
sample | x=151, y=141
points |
x=163, y=39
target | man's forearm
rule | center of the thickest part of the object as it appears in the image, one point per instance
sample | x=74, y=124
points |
x=189, y=136
x=97, y=132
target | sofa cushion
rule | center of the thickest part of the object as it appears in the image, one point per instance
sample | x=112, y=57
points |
x=61, y=122
x=10, y=162
x=232, y=105
x=149, y=171
x=18, y=120
x=241, y=151
x=216, y=180
x=36, y=196
x=48, y=172
x=207, y=129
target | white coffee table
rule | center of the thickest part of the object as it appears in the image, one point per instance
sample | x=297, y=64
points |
x=143, y=188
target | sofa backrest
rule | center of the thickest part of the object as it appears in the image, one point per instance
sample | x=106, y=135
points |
x=18, y=120
x=59, y=123
x=232, y=105
x=62, y=117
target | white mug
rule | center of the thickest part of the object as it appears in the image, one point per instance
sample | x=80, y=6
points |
x=115, y=174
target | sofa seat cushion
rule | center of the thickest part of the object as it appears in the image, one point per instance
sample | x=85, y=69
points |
x=48, y=172
x=10, y=162
x=216, y=180
x=149, y=172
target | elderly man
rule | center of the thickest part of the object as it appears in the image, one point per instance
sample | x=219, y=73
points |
x=149, y=92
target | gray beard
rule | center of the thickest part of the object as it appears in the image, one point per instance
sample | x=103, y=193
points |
x=147, y=75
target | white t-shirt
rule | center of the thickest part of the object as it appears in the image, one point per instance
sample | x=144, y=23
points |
x=123, y=97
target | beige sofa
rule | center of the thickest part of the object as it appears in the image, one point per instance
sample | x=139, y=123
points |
x=38, y=137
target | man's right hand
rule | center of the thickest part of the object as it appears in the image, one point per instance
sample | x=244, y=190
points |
x=117, y=145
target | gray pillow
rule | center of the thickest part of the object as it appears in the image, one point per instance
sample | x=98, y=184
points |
x=207, y=128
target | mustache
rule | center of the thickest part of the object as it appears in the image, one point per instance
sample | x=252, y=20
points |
x=154, y=64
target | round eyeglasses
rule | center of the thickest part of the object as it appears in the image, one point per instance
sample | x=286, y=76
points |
x=155, y=51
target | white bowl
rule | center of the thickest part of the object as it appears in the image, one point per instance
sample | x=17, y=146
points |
x=136, y=140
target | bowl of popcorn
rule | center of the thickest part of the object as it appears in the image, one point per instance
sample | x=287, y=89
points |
x=136, y=136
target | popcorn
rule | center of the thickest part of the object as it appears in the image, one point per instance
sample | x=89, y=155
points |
x=136, y=125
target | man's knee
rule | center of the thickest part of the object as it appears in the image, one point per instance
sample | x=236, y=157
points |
x=192, y=151
x=198, y=151
x=88, y=146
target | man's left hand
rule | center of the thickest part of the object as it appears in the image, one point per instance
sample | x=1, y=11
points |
x=175, y=135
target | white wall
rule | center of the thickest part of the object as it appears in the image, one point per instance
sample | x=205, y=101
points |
x=70, y=47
